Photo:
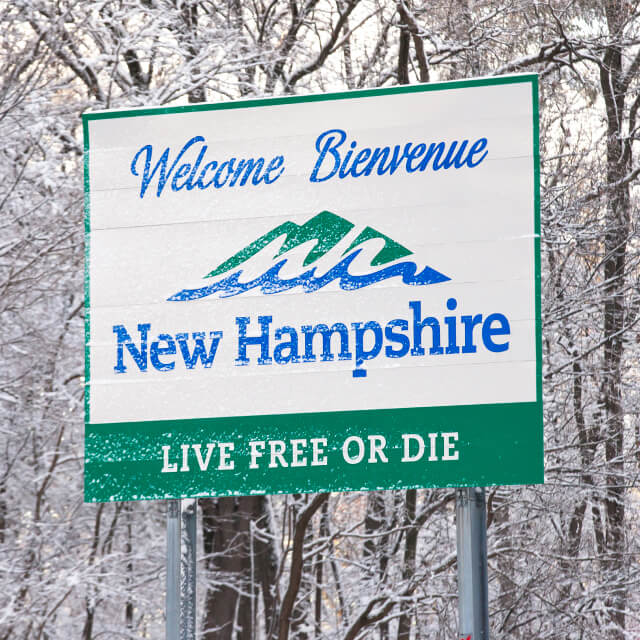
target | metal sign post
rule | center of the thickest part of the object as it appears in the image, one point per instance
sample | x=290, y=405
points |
x=181, y=570
x=188, y=564
x=473, y=589
x=173, y=571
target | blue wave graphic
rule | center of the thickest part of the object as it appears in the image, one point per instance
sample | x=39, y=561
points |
x=270, y=281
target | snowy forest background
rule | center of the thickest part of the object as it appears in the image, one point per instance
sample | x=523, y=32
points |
x=563, y=557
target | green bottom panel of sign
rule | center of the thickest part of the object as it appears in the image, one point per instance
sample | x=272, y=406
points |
x=475, y=445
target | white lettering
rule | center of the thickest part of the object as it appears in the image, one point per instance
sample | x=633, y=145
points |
x=277, y=449
x=407, y=438
x=255, y=454
x=203, y=464
x=298, y=459
x=376, y=446
x=185, y=457
x=448, y=446
x=345, y=450
x=318, y=459
x=225, y=448
x=432, y=455
x=168, y=468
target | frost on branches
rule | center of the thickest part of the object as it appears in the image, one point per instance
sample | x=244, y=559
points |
x=563, y=557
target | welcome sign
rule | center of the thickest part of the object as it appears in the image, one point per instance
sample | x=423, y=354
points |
x=314, y=293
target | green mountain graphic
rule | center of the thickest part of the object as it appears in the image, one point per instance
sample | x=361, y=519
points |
x=327, y=229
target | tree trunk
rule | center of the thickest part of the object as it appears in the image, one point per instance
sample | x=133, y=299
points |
x=224, y=560
x=615, y=244
x=409, y=563
x=375, y=551
x=297, y=563
x=241, y=563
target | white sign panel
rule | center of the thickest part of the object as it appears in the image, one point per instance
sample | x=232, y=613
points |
x=310, y=256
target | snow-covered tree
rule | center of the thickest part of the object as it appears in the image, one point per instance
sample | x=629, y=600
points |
x=563, y=557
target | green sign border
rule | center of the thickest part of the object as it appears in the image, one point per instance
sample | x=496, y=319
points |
x=514, y=427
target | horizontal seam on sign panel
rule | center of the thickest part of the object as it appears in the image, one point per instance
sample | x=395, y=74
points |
x=394, y=313
x=233, y=417
x=316, y=366
x=290, y=370
x=121, y=425
x=234, y=221
x=442, y=312
x=268, y=297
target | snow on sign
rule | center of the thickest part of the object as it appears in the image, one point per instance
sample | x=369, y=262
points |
x=314, y=293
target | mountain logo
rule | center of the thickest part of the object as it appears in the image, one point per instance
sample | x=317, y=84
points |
x=311, y=256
